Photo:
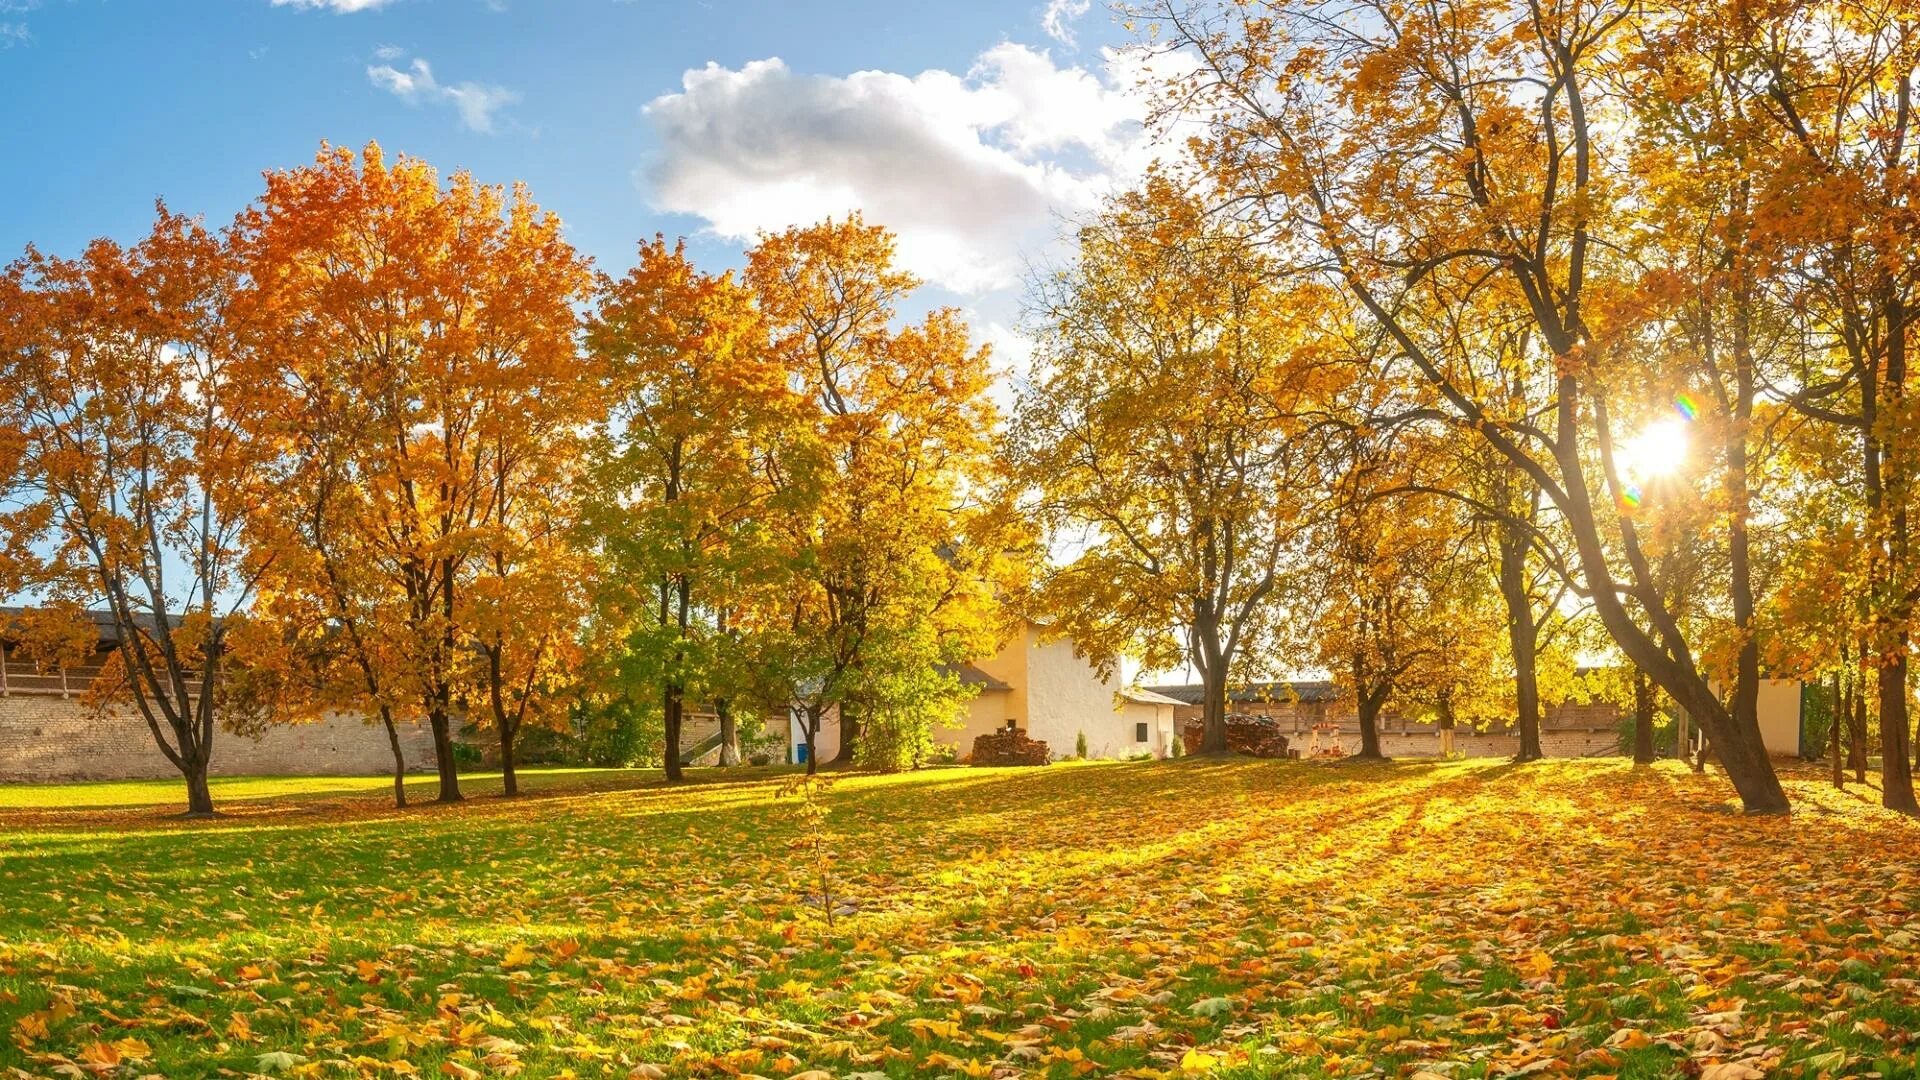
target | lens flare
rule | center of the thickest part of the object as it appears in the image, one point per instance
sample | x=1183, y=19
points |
x=1684, y=404
x=1630, y=496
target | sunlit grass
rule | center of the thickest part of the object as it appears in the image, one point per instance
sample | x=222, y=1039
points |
x=105, y=794
x=1241, y=918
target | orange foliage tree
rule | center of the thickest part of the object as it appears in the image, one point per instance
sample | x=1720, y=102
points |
x=413, y=354
x=120, y=381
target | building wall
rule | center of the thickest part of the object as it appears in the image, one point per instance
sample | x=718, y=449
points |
x=1010, y=666
x=1066, y=697
x=986, y=711
x=827, y=741
x=46, y=737
x=1779, y=708
x=1159, y=721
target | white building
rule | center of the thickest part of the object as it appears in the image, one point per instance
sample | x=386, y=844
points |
x=1044, y=687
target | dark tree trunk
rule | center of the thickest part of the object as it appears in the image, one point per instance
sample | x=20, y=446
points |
x=399, y=759
x=729, y=732
x=199, y=794
x=813, y=739
x=509, y=780
x=1369, y=708
x=672, y=713
x=1642, y=719
x=1213, y=713
x=1836, y=716
x=1896, y=773
x=1857, y=735
x=442, y=725
x=1205, y=649
x=1521, y=638
x=849, y=736
x=1662, y=654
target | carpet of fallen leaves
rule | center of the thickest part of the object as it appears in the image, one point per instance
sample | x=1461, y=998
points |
x=1242, y=918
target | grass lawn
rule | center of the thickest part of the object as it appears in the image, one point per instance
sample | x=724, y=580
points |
x=1241, y=918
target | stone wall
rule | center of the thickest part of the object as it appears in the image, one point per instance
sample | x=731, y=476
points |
x=1410, y=744
x=1572, y=729
x=49, y=737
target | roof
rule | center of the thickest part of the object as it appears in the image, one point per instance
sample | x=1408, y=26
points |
x=973, y=676
x=1246, y=693
x=1148, y=697
x=109, y=629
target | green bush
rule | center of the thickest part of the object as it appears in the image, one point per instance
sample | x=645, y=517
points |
x=1664, y=732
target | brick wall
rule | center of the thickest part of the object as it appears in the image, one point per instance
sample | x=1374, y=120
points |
x=49, y=737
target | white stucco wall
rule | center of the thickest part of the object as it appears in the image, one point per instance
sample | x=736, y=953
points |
x=987, y=711
x=1066, y=696
x=1779, y=709
x=1159, y=721
x=1779, y=714
x=828, y=741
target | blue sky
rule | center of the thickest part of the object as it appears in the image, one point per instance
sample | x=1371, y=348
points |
x=972, y=128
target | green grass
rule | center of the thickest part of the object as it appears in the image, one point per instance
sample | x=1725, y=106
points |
x=110, y=794
x=1472, y=919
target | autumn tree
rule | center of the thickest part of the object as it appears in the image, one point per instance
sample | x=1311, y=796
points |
x=1377, y=138
x=1832, y=84
x=119, y=383
x=1403, y=610
x=884, y=527
x=681, y=476
x=435, y=325
x=1161, y=440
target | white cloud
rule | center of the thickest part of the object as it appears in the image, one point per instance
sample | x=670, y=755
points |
x=1059, y=18
x=971, y=171
x=16, y=31
x=477, y=103
x=338, y=7
x=389, y=52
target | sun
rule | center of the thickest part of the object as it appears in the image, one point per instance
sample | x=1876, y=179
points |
x=1660, y=449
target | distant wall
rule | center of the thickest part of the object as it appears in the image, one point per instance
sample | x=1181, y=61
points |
x=1467, y=743
x=1571, y=729
x=49, y=737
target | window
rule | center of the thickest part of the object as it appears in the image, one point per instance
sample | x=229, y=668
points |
x=1140, y=732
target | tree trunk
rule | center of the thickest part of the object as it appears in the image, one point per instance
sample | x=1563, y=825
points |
x=1521, y=639
x=1213, y=712
x=849, y=737
x=509, y=780
x=1662, y=654
x=1642, y=719
x=1896, y=772
x=442, y=725
x=1369, y=708
x=729, y=732
x=399, y=759
x=672, y=713
x=813, y=739
x=1857, y=735
x=1835, y=718
x=199, y=794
